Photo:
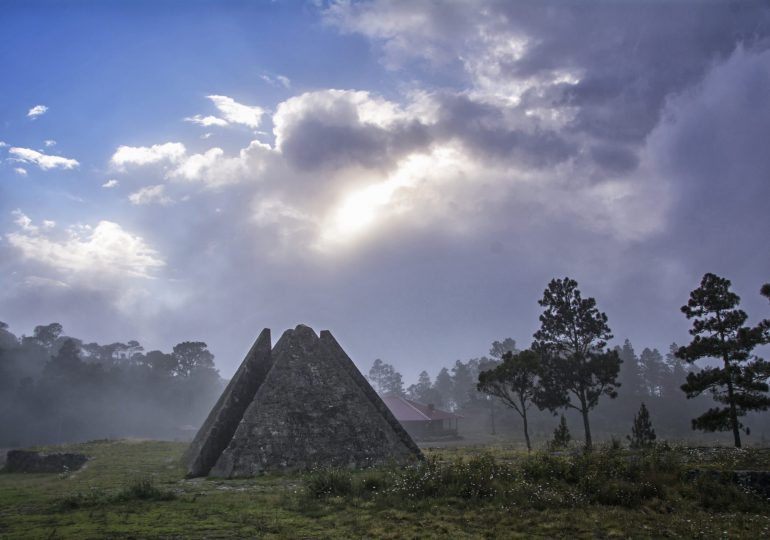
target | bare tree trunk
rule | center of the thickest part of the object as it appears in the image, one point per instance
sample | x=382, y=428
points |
x=587, y=427
x=526, y=431
x=492, y=414
x=733, y=412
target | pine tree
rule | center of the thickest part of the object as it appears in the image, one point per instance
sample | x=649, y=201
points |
x=653, y=371
x=642, y=434
x=718, y=331
x=571, y=341
x=630, y=372
x=561, y=436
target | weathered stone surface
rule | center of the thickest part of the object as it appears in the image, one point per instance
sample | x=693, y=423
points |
x=340, y=356
x=311, y=412
x=35, y=462
x=218, y=429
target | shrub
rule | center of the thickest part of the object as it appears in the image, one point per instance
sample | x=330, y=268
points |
x=329, y=483
x=143, y=490
x=642, y=434
x=561, y=437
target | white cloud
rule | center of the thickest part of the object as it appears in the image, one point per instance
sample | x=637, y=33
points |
x=237, y=113
x=23, y=221
x=44, y=161
x=49, y=143
x=111, y=183
x=145, y=155
x=105, y=250
x=277, y=80
x=3, y=144
x=214, y=169
x=36, y=111
x=150, y=195
x=20, y=171
x=206, y=121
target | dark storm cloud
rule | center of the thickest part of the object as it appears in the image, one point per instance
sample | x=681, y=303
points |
x=614, y=158
x=326, y=130
x=313, y=144
x=480, y=128
x=632, y=54
x=713, y=146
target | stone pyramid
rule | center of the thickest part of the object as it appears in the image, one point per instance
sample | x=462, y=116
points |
x=302, y=404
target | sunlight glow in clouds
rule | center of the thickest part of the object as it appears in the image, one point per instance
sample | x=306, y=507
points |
x=359, y=211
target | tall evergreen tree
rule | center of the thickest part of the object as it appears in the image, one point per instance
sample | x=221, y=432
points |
x=463, y=384
x=630, y=376
x=386, y=380
x=653, y=371
x=676, y=373
x=572, y=343
x=444, y=388
x=718, y=331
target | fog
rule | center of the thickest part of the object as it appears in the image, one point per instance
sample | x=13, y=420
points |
x=55, y=389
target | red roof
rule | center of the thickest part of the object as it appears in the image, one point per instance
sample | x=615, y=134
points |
x=406, y=410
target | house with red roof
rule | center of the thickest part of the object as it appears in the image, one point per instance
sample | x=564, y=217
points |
x=421, y=421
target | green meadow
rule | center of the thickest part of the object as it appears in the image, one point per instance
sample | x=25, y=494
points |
x=137, y=489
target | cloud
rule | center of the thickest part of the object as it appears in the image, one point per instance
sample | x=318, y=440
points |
x=236, y=113
x=104, y=250
x=111, y=183
x=214, y=169
x=37, y=110
x=145, y=155
x=3, y=144
x=150, y=195
x=44, y=161
x=49, y=143
x=277, y=80
x=23, y=221
x=38, y=282
x=206, y=121
x=20, y=171
x=338, y=128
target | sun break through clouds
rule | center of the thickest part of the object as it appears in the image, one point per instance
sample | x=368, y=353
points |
x=390, y=168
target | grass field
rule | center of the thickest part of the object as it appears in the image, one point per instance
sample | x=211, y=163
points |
x=137, y=489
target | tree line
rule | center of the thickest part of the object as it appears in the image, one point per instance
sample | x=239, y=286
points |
x=570, y=367
x=56, y=388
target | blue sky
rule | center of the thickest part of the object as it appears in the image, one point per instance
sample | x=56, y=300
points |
x=409, y=175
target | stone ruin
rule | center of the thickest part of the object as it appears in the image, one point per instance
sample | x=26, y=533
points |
x=28, y=461
x=300, y=405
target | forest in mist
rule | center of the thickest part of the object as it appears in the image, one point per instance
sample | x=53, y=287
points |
x=55, y=388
